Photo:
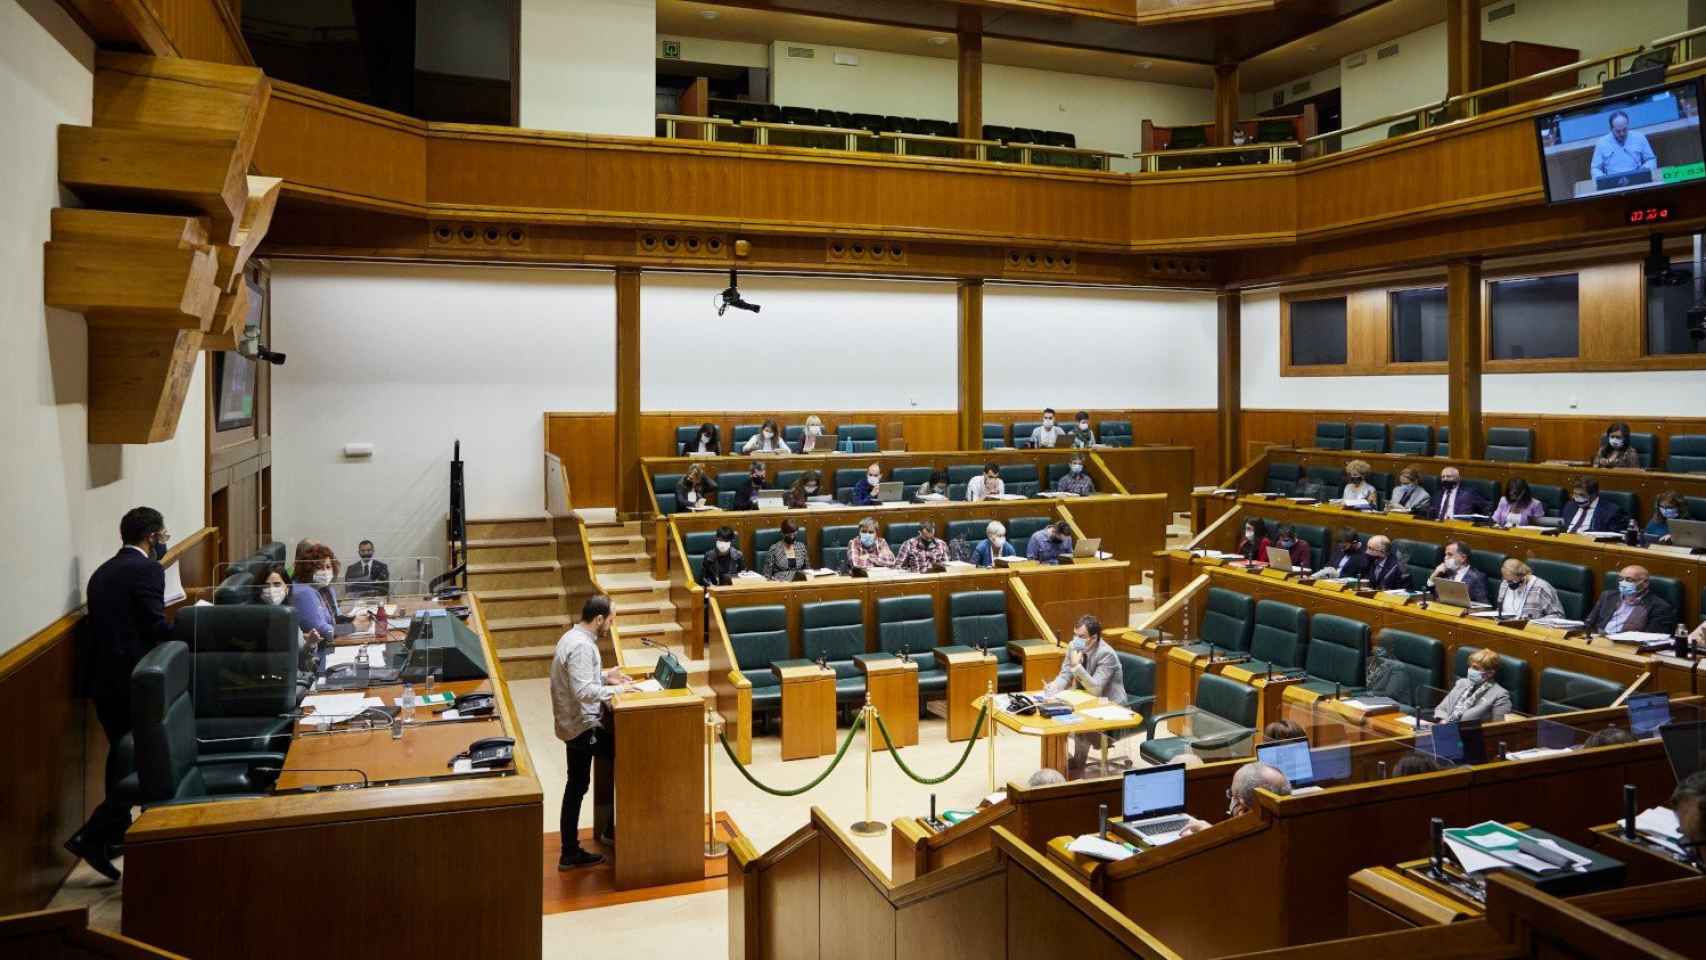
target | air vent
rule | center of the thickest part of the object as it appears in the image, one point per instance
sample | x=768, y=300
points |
x=1355, y=60
x=1499, y=13
x=1386, y=52
x=802, y=53
x=1301, y=87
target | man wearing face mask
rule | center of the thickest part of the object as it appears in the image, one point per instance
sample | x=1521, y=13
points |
x=1477, y=696
x=746, y=498
x=1075, y=480
x=1351, y=562
x=1632, y=606
x=367, y=577
x=865, y=491
x=1455, y=499
x=1083, y=438
x=1092, y=666
x=868, y=550
x=1456, y=567
x=1241, y=796
x=994, y=544
x=723, y=561
x=1587, y=512
x=786, y=557
x=1050, y=543
x=1386, y=571
x=1409, y=494
x=1048, y=434
x=126, y=618
x=1286, y=538
x=925, y=552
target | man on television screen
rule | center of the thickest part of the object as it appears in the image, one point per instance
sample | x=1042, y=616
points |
x=1622, y=150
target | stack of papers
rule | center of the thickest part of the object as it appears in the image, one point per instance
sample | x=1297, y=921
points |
x=336, y=707
x=1091, y=845
x=1660, y=825
x=1535, y=753
x=1489, y=845
x=1109, y=712
x=648, y=686
x=342, y=655
x=1559, y=623
x=1645, y=641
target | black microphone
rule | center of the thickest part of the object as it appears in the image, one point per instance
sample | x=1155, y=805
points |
x=365, y=783
x=1437, y=827
x=1629, y=811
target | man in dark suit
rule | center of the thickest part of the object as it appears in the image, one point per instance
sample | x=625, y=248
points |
x=1632, y=606
x=1456, y=566
x=367, y=577
x=127, y=617
x=1588, y=513
x=1385, y=571
x=1455, y=499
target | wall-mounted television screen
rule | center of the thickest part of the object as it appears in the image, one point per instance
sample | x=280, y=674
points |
x=235, y=396
x=1626, y=144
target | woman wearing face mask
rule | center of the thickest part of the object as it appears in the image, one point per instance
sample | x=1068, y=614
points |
x=1286, y=538
x=1615, y=452
x=994, y=544
x=311, y=592
x=809, y=485
x=1518, y=508
x=1082, y=436
x=1522, y=595
x=695, y=490
x=275, y=592
x=936, y=486
x=1409, y=494
x=812, y=434
x=1358, y=491
x=746, y=498
x=1075, y=480
x=1667, y=506
x=707, y=442
x=786, y=557
x=868, y=550
x=1477, y=696
x=768, y=439
x=865, y=491
x=723, y=561
x=1254, y=542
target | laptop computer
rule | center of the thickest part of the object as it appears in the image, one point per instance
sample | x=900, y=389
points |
x=1292, y=758
x=769, y=499
x=1087, y=548
x=1688, y=533
x=1280, y=559
x=1458, y=742
x=1153, y=804
x=1683, y=747
x=889, y=491
x=1456, y=593
x=1647, y=713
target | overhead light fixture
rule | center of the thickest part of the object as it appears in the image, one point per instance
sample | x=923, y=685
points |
x=710, y=14
x=939, y=41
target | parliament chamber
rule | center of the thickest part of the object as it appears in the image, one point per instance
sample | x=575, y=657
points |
x=915, y=478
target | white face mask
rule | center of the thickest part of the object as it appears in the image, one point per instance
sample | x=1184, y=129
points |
x=999, y=542
x=1048, y=421
x=1084, y=425
x=322, y=578
x=873, y=478
x=275, y=594
x=769, y=433
x=1451, y=563
x=723, y=546
x=1616, y=443
x=813, y=429
x=1078, y=468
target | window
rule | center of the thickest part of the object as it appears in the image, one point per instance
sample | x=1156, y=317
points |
x=1419, y=325
x=1667, y=317
x=1318, y=332
x=1534, y=318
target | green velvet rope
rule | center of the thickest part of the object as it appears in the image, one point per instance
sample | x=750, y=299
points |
x=857, y=723
x=894, y=752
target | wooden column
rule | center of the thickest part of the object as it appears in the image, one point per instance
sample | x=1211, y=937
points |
x=1463, y=379
x=1225, y=103
x=971, y=74
x=971, y=364
x=627, y=447
x=1462, y=48
x=1229, y=335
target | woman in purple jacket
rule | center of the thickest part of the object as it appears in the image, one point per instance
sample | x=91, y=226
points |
x=1518, y=507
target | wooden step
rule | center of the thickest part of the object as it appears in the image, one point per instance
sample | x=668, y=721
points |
x=619, y=583
x=642, y=609
x=525, y=573
x=523, y=602
x=526, y=663
x=510, y=632
x=611, y=536
x=524, y=525
x=511, y=549
x=622, y=563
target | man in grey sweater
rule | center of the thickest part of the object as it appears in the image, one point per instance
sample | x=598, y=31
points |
x=1094, y=667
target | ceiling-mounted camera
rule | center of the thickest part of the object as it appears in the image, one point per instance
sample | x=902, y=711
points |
x=731, y=297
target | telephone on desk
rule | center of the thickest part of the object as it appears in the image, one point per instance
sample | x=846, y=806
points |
x=488, y=754
x=475, y=705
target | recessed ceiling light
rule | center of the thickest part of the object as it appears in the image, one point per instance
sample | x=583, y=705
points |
x=710, y=14
x=939, y=40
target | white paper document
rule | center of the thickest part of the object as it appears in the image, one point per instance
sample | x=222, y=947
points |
x=1091, y=845
x=342, y=655
x=648, y=686
x=174, y=585
x=1110, y=712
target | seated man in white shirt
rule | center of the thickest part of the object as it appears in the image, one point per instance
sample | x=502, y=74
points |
x=1048, y=434
x=986, y=484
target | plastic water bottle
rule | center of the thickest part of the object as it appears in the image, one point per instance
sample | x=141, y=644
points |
x=407, y=703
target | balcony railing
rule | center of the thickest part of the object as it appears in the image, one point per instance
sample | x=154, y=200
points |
x=674, y=126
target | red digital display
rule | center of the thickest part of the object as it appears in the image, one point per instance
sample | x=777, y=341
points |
x=1646, y=215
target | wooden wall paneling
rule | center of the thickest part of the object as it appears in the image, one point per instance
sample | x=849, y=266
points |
x=1229, y=336
x=339, y=150
x=192, y=29
x=970, y=73
x=856, y=919
x=1462, y=46
x=584, y=442
x=626, y=452
x=1466, y=344
x=936, y=928
x=46, y=799
x=1368, y=315
x=1613, y=313
x=969, y=338
x=1154, y=469
x=789, y=908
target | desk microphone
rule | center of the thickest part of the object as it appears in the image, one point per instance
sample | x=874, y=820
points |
x=1629, y=811
x=365, y=783
x=1437, y=828
x=1380, y=770
x=1101, y=820
x=649, y=642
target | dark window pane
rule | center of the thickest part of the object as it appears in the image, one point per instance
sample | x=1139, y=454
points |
x=1534, y=318
x=1317, y=332
x=1667, y=317
x=1418, y=325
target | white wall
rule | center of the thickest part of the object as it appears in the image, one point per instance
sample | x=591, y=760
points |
x=818, y=344
x=64, y=496
x=1108, y=348
x=410, y=358
x=732, y=53
x=1381, y=87
x=1655, y=393
x=1251, y=104
x=589, y=66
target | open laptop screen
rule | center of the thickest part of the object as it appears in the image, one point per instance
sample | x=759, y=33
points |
x=1647, y=713
x=1292, y=757
x=1153, y=791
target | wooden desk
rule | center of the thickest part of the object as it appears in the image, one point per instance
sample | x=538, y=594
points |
x=893, y=688
x=424, y=751
x=1647, y=862
x=1052, y=733
x=808, y=709
x=1382, y=899
x=660, y=788
x=970, y=676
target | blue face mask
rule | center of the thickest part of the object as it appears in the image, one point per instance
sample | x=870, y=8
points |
x=1627, y=588
x=1077, y=645
x=1670, y=513
x=1477, y=676
x=868, y=539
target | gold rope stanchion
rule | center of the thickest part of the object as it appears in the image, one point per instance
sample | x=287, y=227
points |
x=989, y=714
x=714, y=848
x=869, y=827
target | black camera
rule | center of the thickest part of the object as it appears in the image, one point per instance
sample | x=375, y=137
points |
x=731, y=297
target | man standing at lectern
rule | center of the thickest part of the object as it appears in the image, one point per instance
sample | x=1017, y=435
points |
x=1622, y=151
x=580, y=698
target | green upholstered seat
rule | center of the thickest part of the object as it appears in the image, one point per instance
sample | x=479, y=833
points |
x=1316, y=537
x=1187, y=138
x=1626, y=502
x=1412, y=439
x=971, y=531
x=908, y=625
x=1282, y=478
x=696, y=543
x=663, y=484
x=1686, y=453
x=1019, y=479
x=1564, y=691
x=1419, y=657
x=1022, y=432
x=1382, y=483
x=237, y=588
x=861, y=436
x=1330, y=477
x=1330, y=435
x=1053, y=472
x=835, y=629
x=1668, y=589
x=244, y=679
x=1695, y=507
x=785, y=479
x=1512, y=673
x=1227, y=699
x=1229, y=618
x=1646, y=447
x=980, y=617
x=1510, y=444
x=1019, y=530
x=994, y=435
x=1337, y=654
x=1114, y=433
x=758, y=637
x=762, y=541
x=685, y=435
x=1489, y=563
x=1421, y=558
x=911, y=475
x=741, y=434
x=1573, y=582
x=1550, y=495
x=1488, y=490
x=833, y=541
x=1279, y=637
x=1137, y=675
x=898, y=533
x=1369, y=437
x=169, y=762
x=963, y=472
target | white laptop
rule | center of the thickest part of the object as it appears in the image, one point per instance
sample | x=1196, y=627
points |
x=1280, y=558
x=1153, y=804
x=769, y=499
x=1456, y=593
x=889, y=491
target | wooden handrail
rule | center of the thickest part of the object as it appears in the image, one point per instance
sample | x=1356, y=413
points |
x=1567, y=68
x=1107, y=474
x=1214, y=151
x=1510, y=902
x=1175, y=603
x=1023, y=595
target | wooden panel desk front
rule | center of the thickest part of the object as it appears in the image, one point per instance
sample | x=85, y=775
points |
x=1382, y=899
x=808, y=710
x=1052, y=733
x=892, y=685
x=1646, y=861
x=660, y=788
x=970, y=676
